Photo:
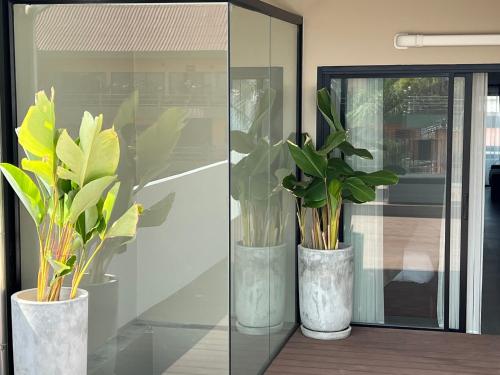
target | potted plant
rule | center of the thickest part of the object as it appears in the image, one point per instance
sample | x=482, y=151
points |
x=260, y=255
x=325, y=265
x=71, y=200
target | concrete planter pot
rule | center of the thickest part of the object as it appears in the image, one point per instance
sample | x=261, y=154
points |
x=259, y=288
x=49, y=338
x=103, y=310
x=325, y=292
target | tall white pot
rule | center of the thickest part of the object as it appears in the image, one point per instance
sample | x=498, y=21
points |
x=50, y=338
x=259, y=288
x=325, y=292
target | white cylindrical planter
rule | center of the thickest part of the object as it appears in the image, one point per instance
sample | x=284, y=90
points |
x=259, y=283
x=325, y=292
x=49, y=338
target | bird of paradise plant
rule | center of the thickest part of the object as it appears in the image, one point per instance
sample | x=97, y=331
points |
x=329, y=181
x=71, y=195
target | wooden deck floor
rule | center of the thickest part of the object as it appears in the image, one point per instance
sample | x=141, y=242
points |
x=391, y=351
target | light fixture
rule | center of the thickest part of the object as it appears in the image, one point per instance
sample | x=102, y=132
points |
x=405, y=41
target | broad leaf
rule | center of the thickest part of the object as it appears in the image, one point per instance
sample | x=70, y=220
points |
x=96, y=156
x=332, y=142
x=359, y=190
x=350, y=150
x=315, y=192
x=37, y=131
x=126, y=225
x=109, y=202
x=324, y=103
x=26, y=190
x=241, y=142
x=308, y=160
x=295, y=187
x=41, y=168
x=88, y=196
x=157, y=213
x=337, y=167
x=383, y=177
x=70, y=154
x=61, y=268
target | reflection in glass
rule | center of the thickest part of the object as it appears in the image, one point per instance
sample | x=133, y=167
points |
x=263, y=80
x=399, y=238
x=157, y=303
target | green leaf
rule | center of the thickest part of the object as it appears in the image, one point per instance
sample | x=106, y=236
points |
x=88, y=196
x=96, y=156
x=60, y=268
x=315, y=192
x=295, y=187
x=324, y=103
x=241, y=142
x=308, y=160
x=109, y=202
x=70, y=154
x=383, y=177
x=332, y=142
x=41, y=168
x=350, y=150
x=157, y=213
x=337, y=167
x=37, y=131
x=335, y=188
x=359, y=190
x=101, y=149
x=26, y=190
x=126, y=225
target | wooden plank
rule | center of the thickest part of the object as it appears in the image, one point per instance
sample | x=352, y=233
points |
x=390, y=351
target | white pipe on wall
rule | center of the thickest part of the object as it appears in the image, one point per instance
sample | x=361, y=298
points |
x=404, y=41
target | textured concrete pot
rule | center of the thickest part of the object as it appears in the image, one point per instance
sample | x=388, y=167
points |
x=49, y=338
x=325, y=292
x=259, y=288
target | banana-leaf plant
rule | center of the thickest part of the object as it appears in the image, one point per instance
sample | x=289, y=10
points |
x=256, y=177
x=71, y=195
x=145, y=155
x=329, y=180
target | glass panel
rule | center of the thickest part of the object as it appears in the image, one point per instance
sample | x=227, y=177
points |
x=399, y=238
x=282, y=205
x=252, y=104
x=456, y=202
x=490, y=307
x=158, y=73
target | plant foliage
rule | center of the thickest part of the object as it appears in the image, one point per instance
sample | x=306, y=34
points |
x=329, y=180
x=71, y=195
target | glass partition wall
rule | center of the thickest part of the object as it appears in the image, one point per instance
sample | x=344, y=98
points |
x=208, y=286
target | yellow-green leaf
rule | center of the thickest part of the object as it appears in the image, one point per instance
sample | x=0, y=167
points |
x=26, y=190
x=126, y=225
x=88, y=196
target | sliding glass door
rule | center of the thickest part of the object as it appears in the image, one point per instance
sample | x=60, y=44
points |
x=404, y=239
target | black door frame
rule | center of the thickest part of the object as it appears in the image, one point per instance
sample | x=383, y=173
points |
x=324, y=76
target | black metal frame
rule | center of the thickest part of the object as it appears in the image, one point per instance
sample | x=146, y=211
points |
x=325, y=74
x=8, y=117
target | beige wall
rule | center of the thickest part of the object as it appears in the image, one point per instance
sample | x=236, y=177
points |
x=360, y=32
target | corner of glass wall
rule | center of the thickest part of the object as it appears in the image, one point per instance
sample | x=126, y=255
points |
x=158, y=74
x=263, y=92
x=209, y=284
